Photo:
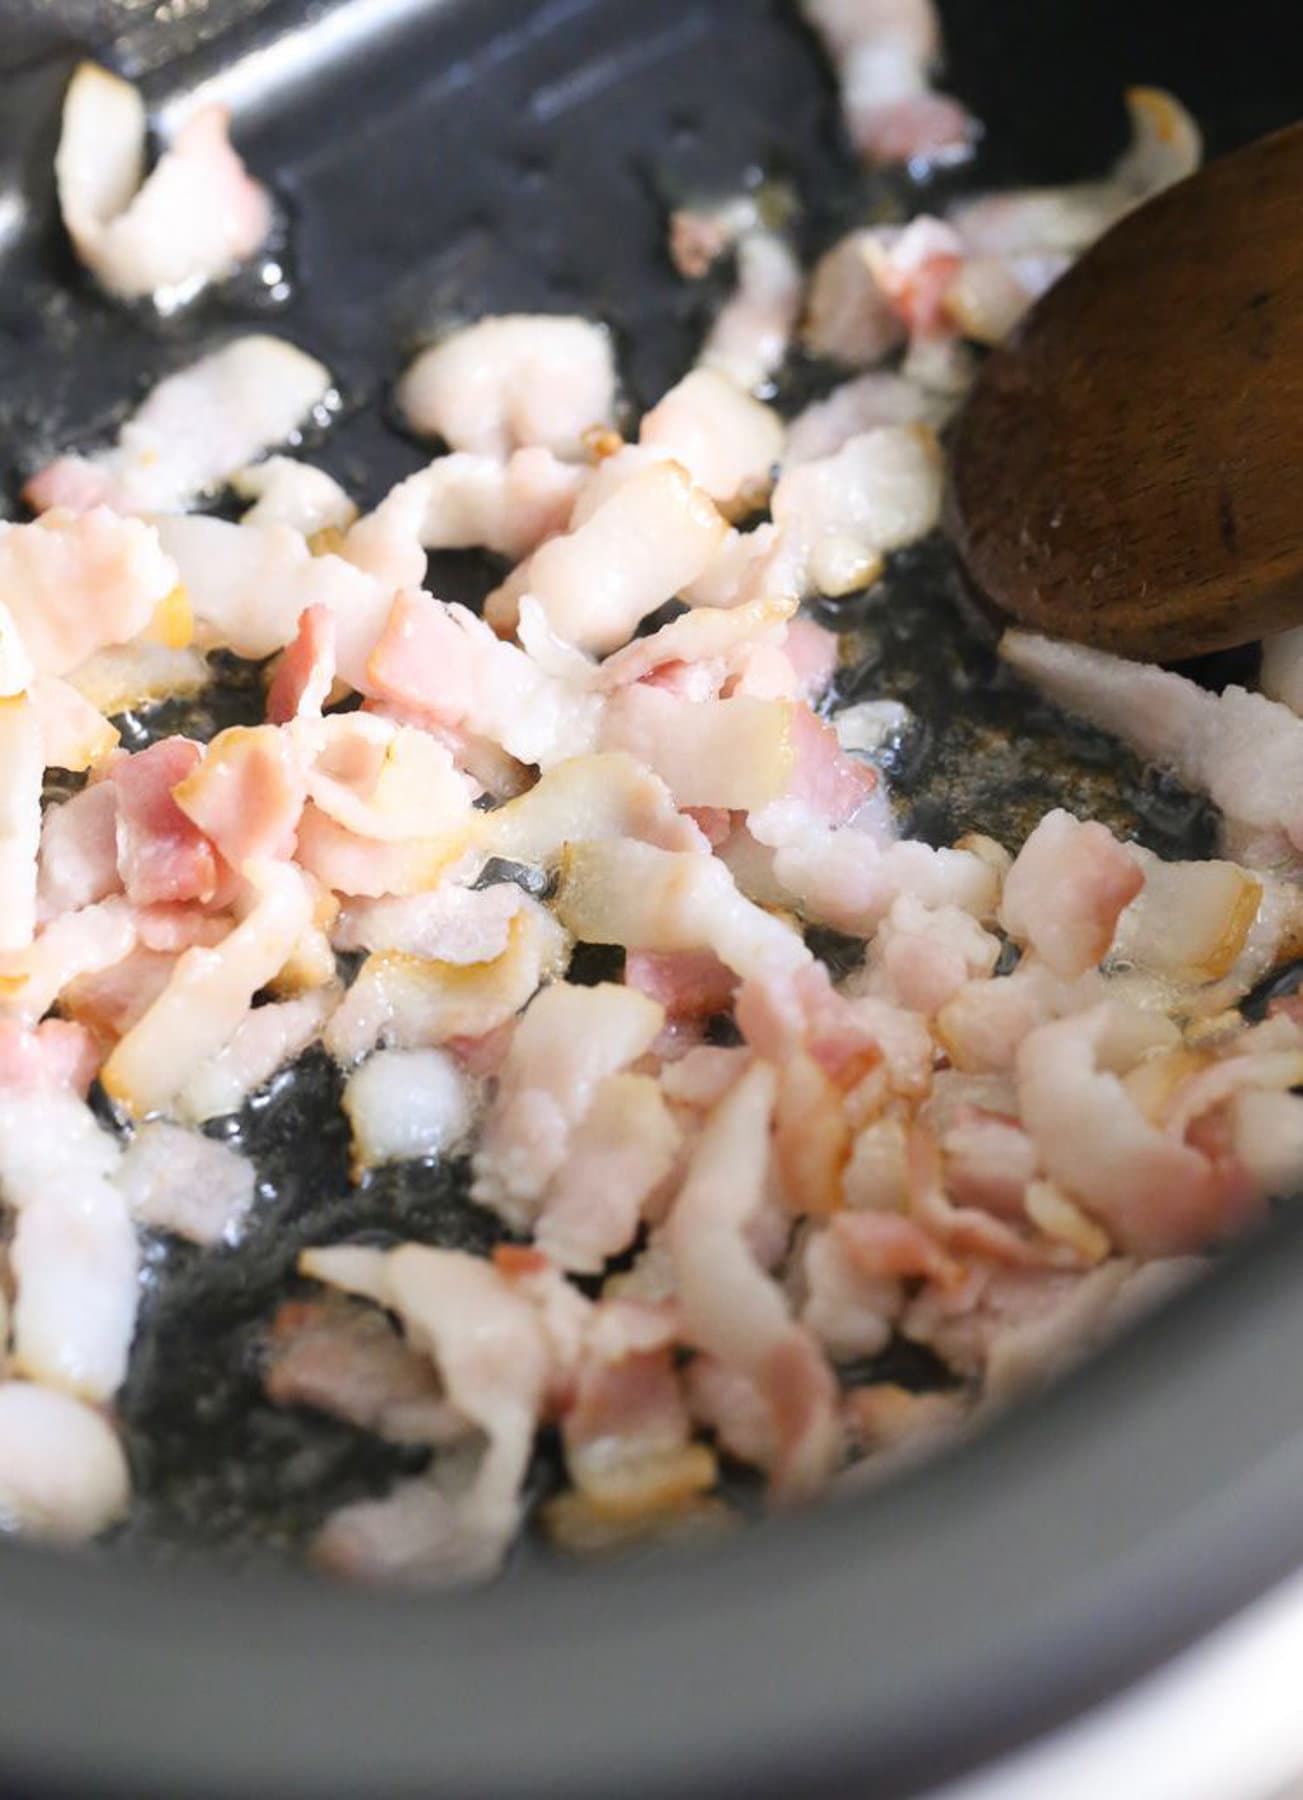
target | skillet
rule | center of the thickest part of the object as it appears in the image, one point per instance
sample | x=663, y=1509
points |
x=435, y=158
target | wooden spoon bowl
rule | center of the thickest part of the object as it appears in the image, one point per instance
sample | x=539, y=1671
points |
x=1128, y=470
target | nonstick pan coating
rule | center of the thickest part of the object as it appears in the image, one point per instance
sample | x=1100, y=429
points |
x=436, y=159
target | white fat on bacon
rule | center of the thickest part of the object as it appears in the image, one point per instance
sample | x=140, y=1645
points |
x=731, y=1307
x=249, y=586
x=1245, y=752
x=446, y=924
x=20, y=820
x=618, y=1156
x=179, y=1181
x=413, y=1002
x=505, y=383
x=407, y=1103
x=284, y=491
x=461, y=502
x=569, y=1041
x=587, y=799
x=194, y=431
x=749, y=339
x=63, y=1474
x=883, y=52
x=73, y=1251
x=75, y=944
x=848, y=876
x=650, y=540
x=1165, y=147
x=78, y=861
x=727, y=441
x=443, y=665
x=491, y=1351
x=881, y=397
x=192, y=220
x=268, y=1038
x=879, y=492
x=209, y=993
x=72, y=585
x=1066, y=891
x=620, y=892
x=737, y=754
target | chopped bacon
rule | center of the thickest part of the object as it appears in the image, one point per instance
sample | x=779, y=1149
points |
x=209, y=993
x=57, y=1054
x=688, y=984
x=1066, y=891
x=285, y=491
x=727, y=441
x=410, y=1002
x=848, y=317
x=406, y=1103
x=78, y=861
x=641, y=547
x=249, y=586
x=73, y=1253
x=194, y=219
x=492, y=1354
x=244, y=794
x=194, y=431
x=267, y=1038
x=63, y=1473
x=1244, y=751
x=749, y=339
x=618, y=1156
x=879, y=492
x=445, y=665
x=883, y=51
x=306, y=672
x=923, y=956
x=72, y=584
x=180, y=1181
x=569, y=1041
x=1154, y=1195
x=341, y=1357
x=504, y=383
x=730, y=1306
x=162, y=853
x=462, y=502
x=644, y=898
x=870, y=401
x=20, y=820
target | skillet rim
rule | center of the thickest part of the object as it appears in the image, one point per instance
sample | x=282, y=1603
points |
x=1145, y=1499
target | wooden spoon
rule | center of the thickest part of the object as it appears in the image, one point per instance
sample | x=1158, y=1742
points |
x=1128, y=470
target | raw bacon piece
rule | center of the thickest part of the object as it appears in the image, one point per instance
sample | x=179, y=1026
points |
x=878, y=493
x=505, y=383
x=194, y=219
x=163, y=856
x=208, y=994
x=749, y=340
x=72, y=585
x=731, y=1308
x=465, y=502
x=569, y=1041
x=195, y=430
x=727, y=441
x=63, y=1475
x=1066, y=892
x=180, y=1181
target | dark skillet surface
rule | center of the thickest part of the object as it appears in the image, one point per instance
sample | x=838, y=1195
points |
x=471, y=163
